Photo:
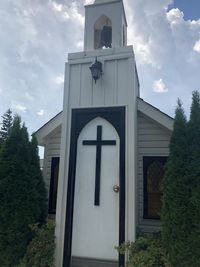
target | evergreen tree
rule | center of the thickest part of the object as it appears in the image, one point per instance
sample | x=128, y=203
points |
x=192, y=251
x=38, y=178
x=181, y=196
x=174, y=217
x=22, y=194
x=6, y=125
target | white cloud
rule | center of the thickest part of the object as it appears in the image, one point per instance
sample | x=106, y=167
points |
x=66, y=15
x=75, y=15
x=41, y=112
x=56, y=6
x=149, y=31
x=28, y=96
x=145, y=55
x=79, y=44
x=18, y=107
x=175, y=16
x=59, y=79
x=196, y=47
x=159, y=86
x=87, y=2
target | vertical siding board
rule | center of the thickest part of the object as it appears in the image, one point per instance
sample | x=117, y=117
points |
x=74, y=94
x=86, y=86
x=123, y=84
x=80, y=84
x=109, y=83
x=116, y=82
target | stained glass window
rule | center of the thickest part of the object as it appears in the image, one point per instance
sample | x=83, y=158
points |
x=153, y=169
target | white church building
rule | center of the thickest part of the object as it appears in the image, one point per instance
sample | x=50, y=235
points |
x=105, y=152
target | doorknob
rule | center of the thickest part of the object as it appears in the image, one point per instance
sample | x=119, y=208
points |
x=116, y=188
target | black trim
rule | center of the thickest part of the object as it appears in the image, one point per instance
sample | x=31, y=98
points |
x=80, y=118
x=146, y=162
x=53, y=185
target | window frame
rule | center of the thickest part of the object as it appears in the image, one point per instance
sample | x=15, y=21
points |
x=54, y=164
x=147, y=161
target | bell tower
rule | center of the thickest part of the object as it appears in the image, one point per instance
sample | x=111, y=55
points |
x=105, y=25
x=96, y=189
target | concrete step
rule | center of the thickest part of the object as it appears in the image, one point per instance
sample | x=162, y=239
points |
x=86, y=262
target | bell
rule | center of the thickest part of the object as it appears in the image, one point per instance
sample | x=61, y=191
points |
x=106, y=36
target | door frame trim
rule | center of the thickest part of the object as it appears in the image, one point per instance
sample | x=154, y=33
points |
x=80, y=118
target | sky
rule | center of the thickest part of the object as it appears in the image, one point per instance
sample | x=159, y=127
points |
x=36, y=37
x=190, y=8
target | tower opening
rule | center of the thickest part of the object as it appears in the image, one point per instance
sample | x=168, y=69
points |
x=103, y=33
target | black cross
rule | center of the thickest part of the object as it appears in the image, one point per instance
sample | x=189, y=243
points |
x=98, y=143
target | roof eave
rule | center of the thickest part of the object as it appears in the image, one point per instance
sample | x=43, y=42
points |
x=48, y=128
x=155, y=114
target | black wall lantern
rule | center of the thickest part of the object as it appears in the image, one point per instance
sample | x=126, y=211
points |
x=96, y=70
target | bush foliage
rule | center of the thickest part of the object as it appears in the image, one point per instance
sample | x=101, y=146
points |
x=40, y=251
x=146, y=251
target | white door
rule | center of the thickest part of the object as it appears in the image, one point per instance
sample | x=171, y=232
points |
x=96, y=219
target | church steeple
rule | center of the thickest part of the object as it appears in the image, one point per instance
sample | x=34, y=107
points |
x=105, y=25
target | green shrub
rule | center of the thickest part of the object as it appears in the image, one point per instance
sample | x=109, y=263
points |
x=180, y=216
x=146, y=251
x=23, y=199
x=40, y=251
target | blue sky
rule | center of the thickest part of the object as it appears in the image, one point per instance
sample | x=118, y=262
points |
x=190, y=8
x=36, y=37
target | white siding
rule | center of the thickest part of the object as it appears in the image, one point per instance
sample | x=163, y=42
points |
x=52, y=149
x=153, y=140
x=113, y=89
